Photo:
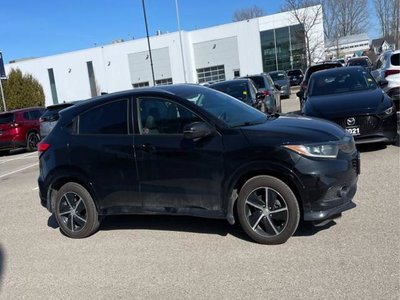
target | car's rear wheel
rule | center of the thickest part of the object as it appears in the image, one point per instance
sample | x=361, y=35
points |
x=32, y=141
x=75, y=211
x=268, y=210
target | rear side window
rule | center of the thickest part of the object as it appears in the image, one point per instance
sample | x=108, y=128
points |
x=110, y=118
x=6, y=118
x=35, y=114
x=395, y=59
x=294, y=72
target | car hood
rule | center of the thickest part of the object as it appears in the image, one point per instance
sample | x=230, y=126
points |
x=288, y=129
x=341, y=105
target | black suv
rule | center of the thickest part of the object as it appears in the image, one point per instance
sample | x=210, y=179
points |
x=192, y=150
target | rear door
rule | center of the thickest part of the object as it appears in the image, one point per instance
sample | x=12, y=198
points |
x=175, y=173
x=102, y=150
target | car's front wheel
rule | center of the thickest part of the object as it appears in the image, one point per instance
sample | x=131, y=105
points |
x=268, y=210
x=75, y=211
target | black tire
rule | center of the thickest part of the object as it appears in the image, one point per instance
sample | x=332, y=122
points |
x=32, y=140
x=72, y=205
x=4, y=152
x=269, y=224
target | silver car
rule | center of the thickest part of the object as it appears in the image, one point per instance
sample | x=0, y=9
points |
x=280, y=78
x=266, y=86
x=50, y=117
x=387, y=70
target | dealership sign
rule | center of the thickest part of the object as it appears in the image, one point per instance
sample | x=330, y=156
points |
x=2, y=70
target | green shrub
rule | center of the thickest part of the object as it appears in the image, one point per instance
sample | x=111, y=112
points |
x=22, y=90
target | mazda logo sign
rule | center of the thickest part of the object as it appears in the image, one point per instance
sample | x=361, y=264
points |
x=351, y=121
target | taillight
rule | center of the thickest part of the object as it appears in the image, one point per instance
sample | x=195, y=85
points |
x=43, y=147
x=391, y=72
x=303, y=86
x=265, y=92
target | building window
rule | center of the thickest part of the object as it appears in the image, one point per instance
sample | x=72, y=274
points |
x=283, y=48
x=209, y=74
x=92, y=79
x=164, y=81
x=140, y=84
x=236, y=73
x=53, y=86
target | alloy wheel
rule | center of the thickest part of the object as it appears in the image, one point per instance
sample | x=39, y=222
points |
x=73, y=211
x=266, y=211
x=33, y=141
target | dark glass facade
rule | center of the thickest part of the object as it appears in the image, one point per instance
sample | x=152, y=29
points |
x=283, y=48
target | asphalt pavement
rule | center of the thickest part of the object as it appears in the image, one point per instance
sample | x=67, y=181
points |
x=159, y=257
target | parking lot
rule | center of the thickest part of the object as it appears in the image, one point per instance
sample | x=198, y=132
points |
x=355, y=257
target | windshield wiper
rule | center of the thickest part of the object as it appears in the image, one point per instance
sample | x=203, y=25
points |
x=247, y=124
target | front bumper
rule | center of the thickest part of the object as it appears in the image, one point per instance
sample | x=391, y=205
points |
x=329, y=185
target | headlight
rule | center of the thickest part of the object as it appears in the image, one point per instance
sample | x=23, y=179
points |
x=316, y=150
x=389, y=111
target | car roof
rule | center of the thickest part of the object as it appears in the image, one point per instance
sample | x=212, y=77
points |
x=333, y=71
x=243, y=80
x=25, y=109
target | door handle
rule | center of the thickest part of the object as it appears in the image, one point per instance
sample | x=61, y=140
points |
x=147, y=148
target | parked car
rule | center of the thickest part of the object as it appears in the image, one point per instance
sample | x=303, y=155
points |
x=351, y=98
x=362, y=61
x=309, y=72
x=387, y=67
x=20, y=129
x=192, y=150
x=50, y=117
x=243, y=90
x=265, y=85
x=295, y=76
x=281, y=79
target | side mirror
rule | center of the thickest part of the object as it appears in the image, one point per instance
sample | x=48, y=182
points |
x=383, y=82
x=260, y=95
x=278, y=87
x=197, y=130
x=300, y=94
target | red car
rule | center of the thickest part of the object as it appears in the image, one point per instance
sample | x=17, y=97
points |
x=20, y=129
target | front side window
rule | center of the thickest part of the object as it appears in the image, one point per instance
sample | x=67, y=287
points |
x=161, y=116
x=110, y=118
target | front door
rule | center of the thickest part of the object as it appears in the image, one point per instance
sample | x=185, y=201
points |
x=175, y=172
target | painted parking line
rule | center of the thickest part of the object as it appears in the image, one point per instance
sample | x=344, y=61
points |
x=35, y=189
x=19, y=170
x=25, y=156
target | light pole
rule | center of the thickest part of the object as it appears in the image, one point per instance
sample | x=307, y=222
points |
x=180, y=39
x=148, y=42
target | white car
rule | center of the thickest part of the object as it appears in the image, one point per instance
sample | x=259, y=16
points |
x=387, y=67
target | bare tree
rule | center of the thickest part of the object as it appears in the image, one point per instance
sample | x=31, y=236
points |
x=308, y=13
x=353, y=16
x=388, y=13
x=248, y=13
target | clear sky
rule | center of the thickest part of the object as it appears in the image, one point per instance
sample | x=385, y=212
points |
x=44, y=27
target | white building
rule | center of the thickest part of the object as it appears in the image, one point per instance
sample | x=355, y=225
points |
x=211, y=54
x=347, y=46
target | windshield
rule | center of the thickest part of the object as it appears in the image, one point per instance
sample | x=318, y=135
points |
x=258, y=81
x=340, y=81
x=294, y=73
x=6, y=118
x=358, y=62
x=277, y=76
x=222, y=106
